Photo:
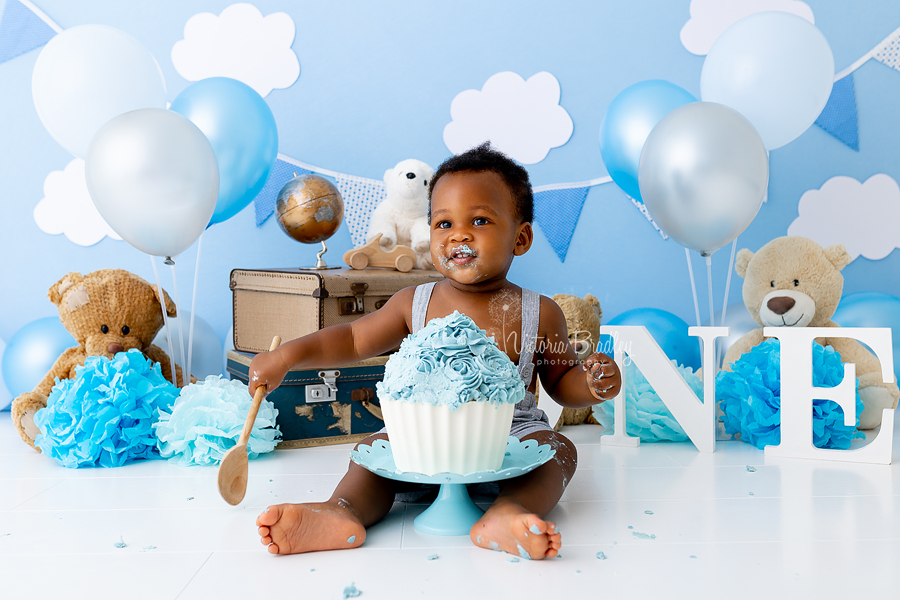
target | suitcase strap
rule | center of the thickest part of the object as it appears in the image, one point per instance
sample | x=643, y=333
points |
x=365, y=396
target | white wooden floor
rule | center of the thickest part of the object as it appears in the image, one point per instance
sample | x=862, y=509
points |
x=790, y=529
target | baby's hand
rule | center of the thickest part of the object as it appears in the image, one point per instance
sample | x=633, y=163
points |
x=603, y=377
x=267, y=369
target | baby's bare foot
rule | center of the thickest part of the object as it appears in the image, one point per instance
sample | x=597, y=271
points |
x=296, y=528
x=511, y=528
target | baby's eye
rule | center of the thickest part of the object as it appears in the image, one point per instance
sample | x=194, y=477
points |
x=479, y=221
x=443, y=225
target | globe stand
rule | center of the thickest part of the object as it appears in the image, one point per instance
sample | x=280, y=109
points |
x=453, y=512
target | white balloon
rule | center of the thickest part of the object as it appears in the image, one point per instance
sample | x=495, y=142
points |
x=5, y=396
x=88, y=74
x=773, y=67
x=153, y=177
x=206, y=355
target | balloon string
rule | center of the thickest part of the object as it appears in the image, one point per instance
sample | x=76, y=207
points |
x=194, y=304
x=712, y=309
x=162, y=303
x=180, y=322
x=687, y=255
x=720, y=342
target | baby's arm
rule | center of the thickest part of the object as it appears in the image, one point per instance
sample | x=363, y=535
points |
x=570, y=383
x=370, y=335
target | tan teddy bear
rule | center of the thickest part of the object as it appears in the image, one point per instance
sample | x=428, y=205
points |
x=583, y=322
x=793, y=282
x=107, y=312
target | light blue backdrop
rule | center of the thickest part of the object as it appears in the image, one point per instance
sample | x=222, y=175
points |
x=375, y=87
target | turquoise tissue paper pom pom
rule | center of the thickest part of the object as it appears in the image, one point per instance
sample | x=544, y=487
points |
x=104, y=416
x=207, y=421
x=750, y=398
x=646, y=416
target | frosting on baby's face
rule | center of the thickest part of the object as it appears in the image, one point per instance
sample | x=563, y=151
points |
x=449, y=362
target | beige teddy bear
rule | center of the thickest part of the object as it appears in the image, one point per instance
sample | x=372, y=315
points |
x=402, y=217
x=583, y=322
x=107, y=312
x=793, y=282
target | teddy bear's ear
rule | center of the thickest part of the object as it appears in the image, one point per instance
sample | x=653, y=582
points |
x=595, y=304
x=388, y=175
x=59, y=288
x=742, y=261
x=170, y=306
x=838, y=256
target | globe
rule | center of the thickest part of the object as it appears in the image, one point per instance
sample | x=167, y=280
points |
x=310, y=209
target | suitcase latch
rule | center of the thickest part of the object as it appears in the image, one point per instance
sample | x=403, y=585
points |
x=354, y=305
x=323, y=392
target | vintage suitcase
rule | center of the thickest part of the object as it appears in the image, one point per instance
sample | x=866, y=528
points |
x=322, y=406
x=295, y=302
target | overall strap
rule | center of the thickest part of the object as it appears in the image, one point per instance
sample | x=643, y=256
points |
x=420, y=305
x=531, y=313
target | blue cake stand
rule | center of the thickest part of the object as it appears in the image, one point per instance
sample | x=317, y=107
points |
x=453, y=512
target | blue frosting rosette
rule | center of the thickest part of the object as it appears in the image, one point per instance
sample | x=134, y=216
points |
x=646, y=415
x=750, y=398
x=207, y=421
x=450, y=362
x=104, y=416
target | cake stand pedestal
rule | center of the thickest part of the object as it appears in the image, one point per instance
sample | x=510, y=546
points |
x=453, y=512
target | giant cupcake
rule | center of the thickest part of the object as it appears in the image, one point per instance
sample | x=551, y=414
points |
x=448, y=397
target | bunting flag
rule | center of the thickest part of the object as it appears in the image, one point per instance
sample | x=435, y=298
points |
x=23, y=27
x=361, y=195
x=557, y=212
x=888, y=51
x=839, y=116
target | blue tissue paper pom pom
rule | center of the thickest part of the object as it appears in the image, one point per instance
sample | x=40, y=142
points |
x=750, y=398
x=207, y=421
x=104, y=416
x=646, y=416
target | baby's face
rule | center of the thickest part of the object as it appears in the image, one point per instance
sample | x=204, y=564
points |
x=474, y=229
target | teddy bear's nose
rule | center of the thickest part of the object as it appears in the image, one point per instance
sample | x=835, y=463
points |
x=115, y=348
x=410, y=175
x=780, y=304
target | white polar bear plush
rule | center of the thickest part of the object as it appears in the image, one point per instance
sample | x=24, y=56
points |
x=402, y=217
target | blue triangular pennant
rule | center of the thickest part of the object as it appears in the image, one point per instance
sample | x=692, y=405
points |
x=282, y=172
x=557, y=212
x=21, y=31
x=839, y=115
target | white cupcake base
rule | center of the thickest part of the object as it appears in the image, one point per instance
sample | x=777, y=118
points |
x=432, y=439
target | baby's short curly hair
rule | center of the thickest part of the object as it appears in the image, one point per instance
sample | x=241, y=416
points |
x=485, y=158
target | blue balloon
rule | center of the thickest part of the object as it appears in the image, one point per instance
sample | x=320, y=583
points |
x=5, y=396
x=872, y=309
x=241, y=128
x=31, y=352
x=669, y=331
x=628, y=121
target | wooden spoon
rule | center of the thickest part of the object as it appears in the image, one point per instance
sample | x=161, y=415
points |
x=233, y=470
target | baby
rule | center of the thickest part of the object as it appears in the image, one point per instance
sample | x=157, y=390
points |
x=481, y=208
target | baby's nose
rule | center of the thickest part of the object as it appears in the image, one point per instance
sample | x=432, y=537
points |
x=410, y=175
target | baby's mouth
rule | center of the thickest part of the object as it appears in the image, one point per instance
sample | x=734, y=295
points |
x=462, y=255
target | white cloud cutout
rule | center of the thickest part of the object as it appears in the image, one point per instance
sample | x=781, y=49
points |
x=709, y=18
x=67, y=208
x=521, y=118
x=862, y=216
x=241, y=44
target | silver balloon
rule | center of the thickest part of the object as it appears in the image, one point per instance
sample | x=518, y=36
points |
x=153, y=176
x=703, y=175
